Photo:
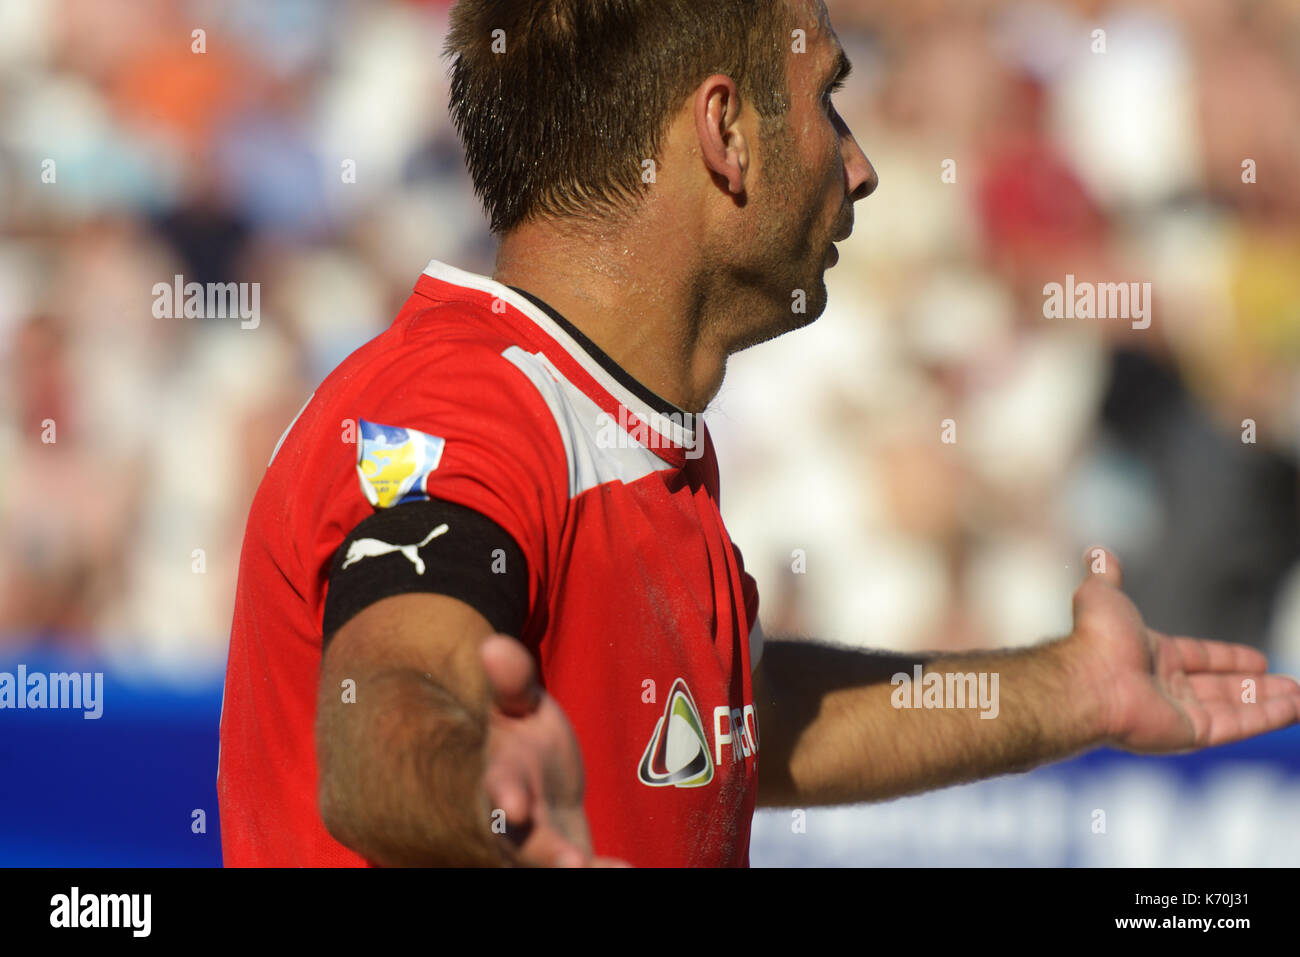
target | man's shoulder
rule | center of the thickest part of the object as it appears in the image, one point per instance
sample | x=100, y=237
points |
x=427, y=334
x=445, y=403
x=434, y=354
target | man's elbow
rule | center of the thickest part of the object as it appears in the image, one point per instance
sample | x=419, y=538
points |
x=335, y=799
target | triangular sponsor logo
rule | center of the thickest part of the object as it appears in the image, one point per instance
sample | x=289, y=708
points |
x=678, y=752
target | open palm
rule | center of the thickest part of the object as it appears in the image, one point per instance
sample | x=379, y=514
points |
x=1163, y=693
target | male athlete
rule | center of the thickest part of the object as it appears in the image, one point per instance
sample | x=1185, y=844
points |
x=487, y=610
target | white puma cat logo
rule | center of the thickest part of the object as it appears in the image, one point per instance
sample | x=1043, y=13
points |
x=373, y=547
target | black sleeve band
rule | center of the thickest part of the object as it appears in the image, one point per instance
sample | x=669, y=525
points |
x=435, y=547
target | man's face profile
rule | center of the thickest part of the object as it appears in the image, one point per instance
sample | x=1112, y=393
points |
x=811, y=170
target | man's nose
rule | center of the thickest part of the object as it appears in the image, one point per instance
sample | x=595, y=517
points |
x=862, y=178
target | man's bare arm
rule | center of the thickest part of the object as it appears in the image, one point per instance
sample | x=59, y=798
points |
x=830, y=734
x=401, y=766
x=447, y=739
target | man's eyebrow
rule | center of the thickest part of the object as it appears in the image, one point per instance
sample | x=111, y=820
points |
x=842, y=69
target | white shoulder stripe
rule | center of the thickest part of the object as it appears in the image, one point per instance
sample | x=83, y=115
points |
x=665, y=426
x=598, y=450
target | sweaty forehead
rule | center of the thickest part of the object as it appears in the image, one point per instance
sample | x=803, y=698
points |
x=817, y=17
x=823, y=46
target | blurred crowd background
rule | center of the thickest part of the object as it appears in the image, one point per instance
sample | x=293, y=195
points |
x=126, y=158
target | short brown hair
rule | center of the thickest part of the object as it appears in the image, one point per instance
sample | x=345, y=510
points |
x=560, y=122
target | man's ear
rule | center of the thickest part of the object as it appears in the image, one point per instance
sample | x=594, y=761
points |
x=722, y=143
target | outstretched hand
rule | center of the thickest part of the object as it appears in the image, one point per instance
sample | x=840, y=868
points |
x=1163, y=694
x=533, y=771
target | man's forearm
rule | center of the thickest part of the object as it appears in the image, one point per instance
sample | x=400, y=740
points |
x=401, y=770
x=831, y=733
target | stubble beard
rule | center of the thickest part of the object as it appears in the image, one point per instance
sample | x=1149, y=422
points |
x=789, y=275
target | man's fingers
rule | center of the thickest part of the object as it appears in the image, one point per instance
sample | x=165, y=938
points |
x=508, y=790
x=1199, y=655
x=547, y=847
x=534, y=771
x=1242, y=689
x=511, y=675
x=539, y=842
x=1230, y=721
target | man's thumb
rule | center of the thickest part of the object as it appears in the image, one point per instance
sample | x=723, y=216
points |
x=1099, y=562
x=511, y=676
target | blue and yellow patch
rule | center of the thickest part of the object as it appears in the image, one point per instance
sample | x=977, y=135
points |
x=394, y=462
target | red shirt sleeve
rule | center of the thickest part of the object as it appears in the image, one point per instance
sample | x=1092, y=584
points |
x=454, y=419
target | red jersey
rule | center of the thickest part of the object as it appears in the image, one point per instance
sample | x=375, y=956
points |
x=638, y=610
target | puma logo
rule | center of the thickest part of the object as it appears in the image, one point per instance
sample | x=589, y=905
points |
x=373, y=548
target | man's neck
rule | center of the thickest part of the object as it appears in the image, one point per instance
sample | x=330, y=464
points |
x=638, y=304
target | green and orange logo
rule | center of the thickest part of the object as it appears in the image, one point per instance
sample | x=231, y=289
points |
x=678, y=752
